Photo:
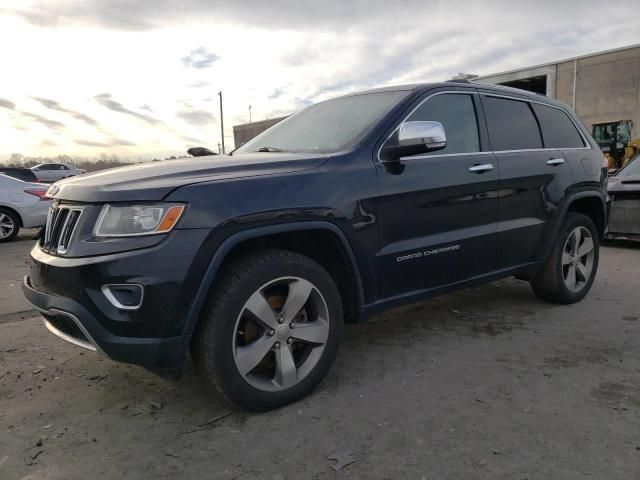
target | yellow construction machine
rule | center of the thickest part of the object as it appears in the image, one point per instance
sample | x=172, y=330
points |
x=614, y=138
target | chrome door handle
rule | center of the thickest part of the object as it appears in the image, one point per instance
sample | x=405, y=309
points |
x=554, y=162
x=485, y=167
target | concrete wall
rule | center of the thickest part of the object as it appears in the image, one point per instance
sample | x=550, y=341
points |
x=607, y=85
x=245, y=132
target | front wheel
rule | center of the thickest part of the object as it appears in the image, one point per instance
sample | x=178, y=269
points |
x=571, y=268
x=271, y=331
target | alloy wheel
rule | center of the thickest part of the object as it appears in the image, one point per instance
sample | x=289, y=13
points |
x=577, y=259
x=7, y=226
x=280, y=333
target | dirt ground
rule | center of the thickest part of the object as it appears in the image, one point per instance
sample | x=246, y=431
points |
x=14, y=257
x=489, y=383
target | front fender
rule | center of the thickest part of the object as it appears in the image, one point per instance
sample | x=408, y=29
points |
x=227, y=245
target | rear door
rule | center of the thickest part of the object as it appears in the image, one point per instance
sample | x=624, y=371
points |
x=438, y=211
x=533, y=179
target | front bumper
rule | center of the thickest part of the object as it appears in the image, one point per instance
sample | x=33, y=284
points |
x=62, y=314
x=69, y=292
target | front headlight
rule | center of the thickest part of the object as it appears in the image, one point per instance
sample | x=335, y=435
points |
x=129, y=220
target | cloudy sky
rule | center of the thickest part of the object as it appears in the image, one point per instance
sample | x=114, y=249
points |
x=140, y=77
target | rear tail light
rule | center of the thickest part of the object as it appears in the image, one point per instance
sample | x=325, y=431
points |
x=42, y=194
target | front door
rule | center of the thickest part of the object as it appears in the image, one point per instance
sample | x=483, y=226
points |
x=438, y=211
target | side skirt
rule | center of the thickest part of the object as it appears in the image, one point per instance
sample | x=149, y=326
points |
x=379, y=306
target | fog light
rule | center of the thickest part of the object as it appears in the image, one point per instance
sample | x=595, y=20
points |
x=126, y=296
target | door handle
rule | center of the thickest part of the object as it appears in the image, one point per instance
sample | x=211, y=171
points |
x=485, y=167
x=554, y=162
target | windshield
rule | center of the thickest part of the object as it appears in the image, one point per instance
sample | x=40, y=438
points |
x=631, y=168
x=326, y=127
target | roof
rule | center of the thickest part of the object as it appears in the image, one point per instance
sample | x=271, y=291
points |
x=451, y=83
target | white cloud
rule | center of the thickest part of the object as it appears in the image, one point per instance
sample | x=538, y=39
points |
x=148, y=73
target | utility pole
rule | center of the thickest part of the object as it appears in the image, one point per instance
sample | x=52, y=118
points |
x=249, y=113
x=221, y=121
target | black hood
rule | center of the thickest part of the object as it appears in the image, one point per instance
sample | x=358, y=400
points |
x=152, y=181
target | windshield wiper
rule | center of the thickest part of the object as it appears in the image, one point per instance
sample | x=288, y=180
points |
x=272, y=149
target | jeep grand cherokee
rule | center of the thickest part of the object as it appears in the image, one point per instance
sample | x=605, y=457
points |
x=349, y=207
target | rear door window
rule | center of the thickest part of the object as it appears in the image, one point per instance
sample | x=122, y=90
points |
x=558, y=131
x=457, y=115
x=511, y=124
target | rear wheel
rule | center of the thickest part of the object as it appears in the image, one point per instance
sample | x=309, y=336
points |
x=271, y=331
x=9, y=225
x=571, y=268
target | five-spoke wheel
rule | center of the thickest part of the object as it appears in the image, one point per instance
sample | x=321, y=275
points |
x=571, y=267
x=577, y=259
x=271, y=331
x=280, y=333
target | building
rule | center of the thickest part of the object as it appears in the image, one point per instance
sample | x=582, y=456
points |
x=601, y=87
x=245, y=132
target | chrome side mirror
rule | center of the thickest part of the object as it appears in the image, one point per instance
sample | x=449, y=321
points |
x=413, y=138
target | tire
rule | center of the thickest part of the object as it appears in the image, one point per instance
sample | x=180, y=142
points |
x=9, y=225
x=554, y=282
x=242, y=322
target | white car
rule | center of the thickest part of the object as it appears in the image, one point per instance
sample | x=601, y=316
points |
x=52, y=172
x=22, y=205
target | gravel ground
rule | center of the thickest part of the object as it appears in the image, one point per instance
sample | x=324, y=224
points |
x=489, y=383
x=14, y=257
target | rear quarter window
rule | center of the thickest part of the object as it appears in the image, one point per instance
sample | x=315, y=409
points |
x=558, y=131
x=511, y=124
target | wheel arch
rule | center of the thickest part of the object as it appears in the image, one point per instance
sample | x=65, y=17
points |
x=239, y=242
x=589, y=203
x=593, y=206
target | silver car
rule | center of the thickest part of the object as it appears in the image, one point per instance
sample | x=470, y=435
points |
x=52, y=172
x=22, y=204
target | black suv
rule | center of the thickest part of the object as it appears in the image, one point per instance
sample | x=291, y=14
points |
x=253, y=261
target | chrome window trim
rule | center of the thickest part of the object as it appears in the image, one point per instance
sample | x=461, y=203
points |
x=423, y=155
x=474, y=92
x=114, y=301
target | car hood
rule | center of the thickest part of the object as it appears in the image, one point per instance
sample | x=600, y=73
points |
x=630, y=183
x=152, y=181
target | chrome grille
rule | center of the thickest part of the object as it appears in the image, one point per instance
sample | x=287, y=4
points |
x=59, y=228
